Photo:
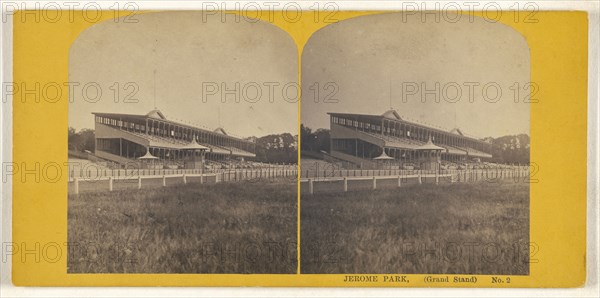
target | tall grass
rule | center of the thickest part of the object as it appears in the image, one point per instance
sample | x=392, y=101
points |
x=429, y=229
x=238, y=227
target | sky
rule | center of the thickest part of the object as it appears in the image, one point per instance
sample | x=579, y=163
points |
x=180, y=63
x=377, y=62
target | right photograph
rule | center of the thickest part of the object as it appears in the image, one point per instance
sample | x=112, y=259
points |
x=415, y=147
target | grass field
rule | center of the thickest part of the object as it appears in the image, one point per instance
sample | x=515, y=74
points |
x=238, y=227
x=480, y=228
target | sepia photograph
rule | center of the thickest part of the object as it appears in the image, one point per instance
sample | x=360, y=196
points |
x=183, y=146
x=323, y=147
x=289, y=148
x=415, y=147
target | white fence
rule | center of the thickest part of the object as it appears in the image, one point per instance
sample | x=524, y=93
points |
x=105, y=179
x=181, y=176
x=340, y=172
x=92, y=171
x=517, y=174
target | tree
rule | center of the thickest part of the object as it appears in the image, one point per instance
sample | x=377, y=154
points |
x=511, y=149
x=82, y=140
x=305, y=137
x=71, y=139
x=277, y=148
x=321, y=139
x=314, y=141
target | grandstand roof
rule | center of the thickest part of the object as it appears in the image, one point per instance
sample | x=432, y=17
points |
x=392, y=115
x=457, y=131
x=363, y=116
x=158, y=115
x=121, y=115
x=220, y=130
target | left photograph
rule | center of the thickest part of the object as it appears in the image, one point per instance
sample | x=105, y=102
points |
x=183, y=131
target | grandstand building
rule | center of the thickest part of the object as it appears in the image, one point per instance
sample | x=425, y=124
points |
x=154, y=140
x=373, y=140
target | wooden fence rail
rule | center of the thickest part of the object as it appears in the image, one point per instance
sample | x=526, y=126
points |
x=453, y=176
x=338, y=172
x=94, y=172
x=223, y=176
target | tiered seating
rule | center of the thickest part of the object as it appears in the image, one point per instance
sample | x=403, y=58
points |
x=392, y=141
x=159, y=141
x=216, y=149
x=166, y=142
x=454, y=150
x=475, y=153
x=240, y=152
